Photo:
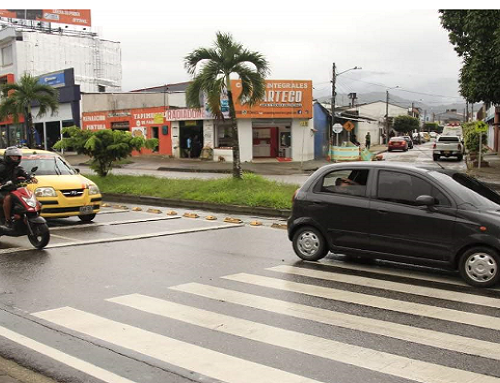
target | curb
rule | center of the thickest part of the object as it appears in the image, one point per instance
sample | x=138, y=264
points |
x=170, y=202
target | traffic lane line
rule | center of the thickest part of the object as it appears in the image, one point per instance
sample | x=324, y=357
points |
x=123, y=238
x=62, y=357
x=190, y=357
x=112, y=223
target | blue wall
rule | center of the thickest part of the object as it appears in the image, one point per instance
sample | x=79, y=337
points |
x=322, y=125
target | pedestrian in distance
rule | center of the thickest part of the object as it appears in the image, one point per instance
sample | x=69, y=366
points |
x=188, y=147
x=367, y=140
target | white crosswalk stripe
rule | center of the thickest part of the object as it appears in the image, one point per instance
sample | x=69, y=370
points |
x=228, y=366
x=324, y=348
x=185, y=355
x=371, y=301
x=387, y=285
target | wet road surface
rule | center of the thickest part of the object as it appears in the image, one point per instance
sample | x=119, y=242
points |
x=142, y=297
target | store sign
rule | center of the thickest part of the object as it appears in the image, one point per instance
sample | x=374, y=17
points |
x=282, y=99
x=184, y=114
x=139, y=132
x=55, y=80
x=94, y=121
x=61, y=16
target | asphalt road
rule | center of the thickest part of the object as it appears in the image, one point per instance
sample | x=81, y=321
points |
x=143, y=297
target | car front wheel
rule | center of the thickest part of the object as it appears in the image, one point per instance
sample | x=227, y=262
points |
x=309, y=244
x=479, y=267
x=87, y=217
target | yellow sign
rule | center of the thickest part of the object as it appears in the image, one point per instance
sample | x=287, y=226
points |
x=348, y=126
x=158, y=118
x=304, y=123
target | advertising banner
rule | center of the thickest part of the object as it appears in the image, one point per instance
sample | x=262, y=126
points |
x=61, y=16
x=344, y=153
x=283, y=99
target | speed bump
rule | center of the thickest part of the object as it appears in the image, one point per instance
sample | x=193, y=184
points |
x=122, y=207
x=211, y=218
x=279, y=226
x=154, y=211
x=232, y=220
x=137, y=209
x=171, y=212
x=105, y=205
x=255, y=223
x=191, y=215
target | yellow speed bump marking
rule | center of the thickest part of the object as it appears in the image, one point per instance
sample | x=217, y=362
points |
x=137, y=209
x=171, y=212
x=105, y=205
x=232, y=220
x=122, y=207
x=211, y=218
x=279, y=226
x=154, y=211
x=255, y=223
x=190, y=215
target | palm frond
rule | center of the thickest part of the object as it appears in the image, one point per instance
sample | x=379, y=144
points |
x=192, y=60
x=256, y=59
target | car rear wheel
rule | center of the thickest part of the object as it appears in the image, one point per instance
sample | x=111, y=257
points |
x=479, y=267
x=435, y=157
x=87, y=217
x=309, y=244
x=460, y=157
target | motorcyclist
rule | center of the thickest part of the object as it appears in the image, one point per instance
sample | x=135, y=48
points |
x=10, y=171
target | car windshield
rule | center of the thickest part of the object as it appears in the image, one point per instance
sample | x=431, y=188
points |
x=48, y=165
x=469, y=190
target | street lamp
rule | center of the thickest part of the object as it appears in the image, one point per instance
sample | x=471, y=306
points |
x=387, y=112
x=334, y=78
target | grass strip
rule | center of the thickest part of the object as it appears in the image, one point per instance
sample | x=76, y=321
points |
x=253, y=190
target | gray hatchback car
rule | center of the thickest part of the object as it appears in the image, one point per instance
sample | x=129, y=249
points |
x=402, y=213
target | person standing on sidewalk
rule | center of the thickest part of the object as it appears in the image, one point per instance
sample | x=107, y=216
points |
x=368, y=140
x=188, y=147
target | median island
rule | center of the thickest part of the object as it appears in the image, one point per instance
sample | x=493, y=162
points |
x=253, y=190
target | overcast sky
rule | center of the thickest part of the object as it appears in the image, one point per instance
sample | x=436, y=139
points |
x=395, y=47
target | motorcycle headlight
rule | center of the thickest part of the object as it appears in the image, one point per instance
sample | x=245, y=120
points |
x=93, y=189
x=31, y=201
x=45, y=192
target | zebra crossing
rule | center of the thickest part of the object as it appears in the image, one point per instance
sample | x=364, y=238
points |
x=285, y=303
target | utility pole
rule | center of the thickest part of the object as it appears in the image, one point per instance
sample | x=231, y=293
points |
x=386, y=116
x=330, y=133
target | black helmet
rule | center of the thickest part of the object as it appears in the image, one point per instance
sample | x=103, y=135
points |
x=12, y=155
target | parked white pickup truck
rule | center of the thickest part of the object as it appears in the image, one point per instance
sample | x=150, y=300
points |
x=448, y=146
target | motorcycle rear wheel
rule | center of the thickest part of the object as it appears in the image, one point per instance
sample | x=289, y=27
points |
x=41, y=236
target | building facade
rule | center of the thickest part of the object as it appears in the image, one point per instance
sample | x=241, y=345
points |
x=96, y=62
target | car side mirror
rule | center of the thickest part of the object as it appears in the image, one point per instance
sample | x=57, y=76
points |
x=77, y=171
x=426, y=200
x=34, y=169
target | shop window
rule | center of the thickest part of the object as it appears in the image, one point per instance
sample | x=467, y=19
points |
x=101, y=88
x=224, y=137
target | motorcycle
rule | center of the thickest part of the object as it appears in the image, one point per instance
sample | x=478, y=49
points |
x=26, y=219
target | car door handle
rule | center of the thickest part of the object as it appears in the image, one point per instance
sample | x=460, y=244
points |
x=319, y=204
x=382, y=211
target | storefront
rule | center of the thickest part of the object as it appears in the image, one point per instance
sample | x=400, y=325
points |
x=279, y=127
x=143, y=122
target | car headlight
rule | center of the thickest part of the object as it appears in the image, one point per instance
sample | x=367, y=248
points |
x=45, y=192
x=31, y=201
x=93, y=189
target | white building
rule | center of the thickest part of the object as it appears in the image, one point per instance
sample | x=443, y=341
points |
x=376, y=112
x=96, y=62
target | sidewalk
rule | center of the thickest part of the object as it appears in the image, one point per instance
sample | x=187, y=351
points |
x=490, y=174
x=266, y=166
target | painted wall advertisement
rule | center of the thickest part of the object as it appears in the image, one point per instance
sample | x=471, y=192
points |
x=283, y=99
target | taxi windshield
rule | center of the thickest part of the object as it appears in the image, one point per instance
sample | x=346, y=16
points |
x=48, y=165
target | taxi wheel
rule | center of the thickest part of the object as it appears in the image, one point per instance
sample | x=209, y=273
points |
x=87, y=217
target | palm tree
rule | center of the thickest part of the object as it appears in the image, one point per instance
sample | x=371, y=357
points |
x=18, y=98
x=227, y=57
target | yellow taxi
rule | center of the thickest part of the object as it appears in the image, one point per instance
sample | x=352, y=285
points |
x=61, y=190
